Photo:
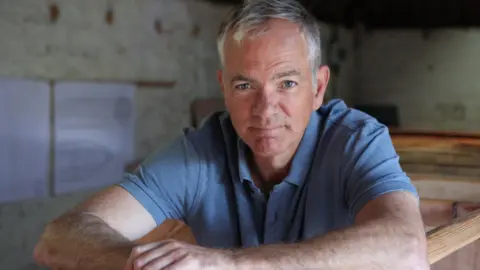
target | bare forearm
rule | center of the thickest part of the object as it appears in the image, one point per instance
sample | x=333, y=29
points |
x=380, y=244
x=82, y=241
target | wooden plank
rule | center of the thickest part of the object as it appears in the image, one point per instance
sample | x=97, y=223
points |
x=435, y=133
x=464, y=258
x=443, y=170
x=169, y=229
x=156, y=84
x=453, y=236
x=467, y=258
x=437, y=150
x=460, y=189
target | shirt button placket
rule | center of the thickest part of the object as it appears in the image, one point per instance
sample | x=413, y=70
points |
x=272, y=218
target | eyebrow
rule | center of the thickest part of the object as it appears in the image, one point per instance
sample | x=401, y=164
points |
x=288, y=73
x=240, y=77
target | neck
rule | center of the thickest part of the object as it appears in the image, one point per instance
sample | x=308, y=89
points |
x=274, y=169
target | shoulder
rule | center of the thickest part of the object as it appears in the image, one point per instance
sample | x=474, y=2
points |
x=339, y=116
x=210, y=138
x=347, y=130
x=193, y=147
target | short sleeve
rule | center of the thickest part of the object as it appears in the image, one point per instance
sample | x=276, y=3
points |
x=371, y=167
x=166, y=183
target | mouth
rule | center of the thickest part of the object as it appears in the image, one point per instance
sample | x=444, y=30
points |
x=266, y=131
x=266, y=128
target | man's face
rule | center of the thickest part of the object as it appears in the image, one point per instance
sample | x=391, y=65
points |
x=268, y=87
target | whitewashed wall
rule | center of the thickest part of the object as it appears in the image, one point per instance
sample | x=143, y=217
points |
x=433, y=77
x=163, y=40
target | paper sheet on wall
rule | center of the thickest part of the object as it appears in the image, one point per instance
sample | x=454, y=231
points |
x=24, y=139
x=94, y=134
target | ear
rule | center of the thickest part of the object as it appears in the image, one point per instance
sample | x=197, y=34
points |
x=323, y=77
x=220, y=79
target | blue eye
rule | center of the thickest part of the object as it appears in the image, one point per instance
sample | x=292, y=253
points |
x=288, y=84
x=243, y=86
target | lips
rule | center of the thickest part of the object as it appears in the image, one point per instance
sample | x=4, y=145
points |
x=266, y=131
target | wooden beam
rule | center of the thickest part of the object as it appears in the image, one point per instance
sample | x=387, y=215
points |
x=444, y=171
x=432, y=149
x=169, y=229
x=459, y=189
x=156, y=84
x=442, y=165
x=453, y=236
x=436, y=133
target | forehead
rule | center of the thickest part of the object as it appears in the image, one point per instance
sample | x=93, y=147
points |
x=276, y=42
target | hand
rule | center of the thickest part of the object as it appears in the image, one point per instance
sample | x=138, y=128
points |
x=175, y=255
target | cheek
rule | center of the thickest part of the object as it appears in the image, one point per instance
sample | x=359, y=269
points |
x=297, y=110
x=238, y=107
x=292, y=108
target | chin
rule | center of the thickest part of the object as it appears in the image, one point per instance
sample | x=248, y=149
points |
x=267, y=147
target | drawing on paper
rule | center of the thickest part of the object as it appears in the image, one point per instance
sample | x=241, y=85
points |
x=94, y=129
x=79, y=160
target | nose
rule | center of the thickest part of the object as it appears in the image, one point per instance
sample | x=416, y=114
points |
x=266, y=103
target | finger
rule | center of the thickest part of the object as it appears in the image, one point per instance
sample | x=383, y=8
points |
x=129, y=264
x=157, y=252
x=170, y=261
x=139, y=250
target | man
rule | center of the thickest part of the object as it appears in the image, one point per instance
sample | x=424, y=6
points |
x=278, y=182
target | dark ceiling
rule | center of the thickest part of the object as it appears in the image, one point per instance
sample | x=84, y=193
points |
x=393, y=13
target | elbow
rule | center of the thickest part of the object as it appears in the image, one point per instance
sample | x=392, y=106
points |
x=45, y=250
x=416, y=252
x=41, y=252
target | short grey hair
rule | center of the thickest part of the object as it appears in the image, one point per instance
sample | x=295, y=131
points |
x=253, y=13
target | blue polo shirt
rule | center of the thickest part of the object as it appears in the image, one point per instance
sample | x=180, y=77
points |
x=345, y=159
